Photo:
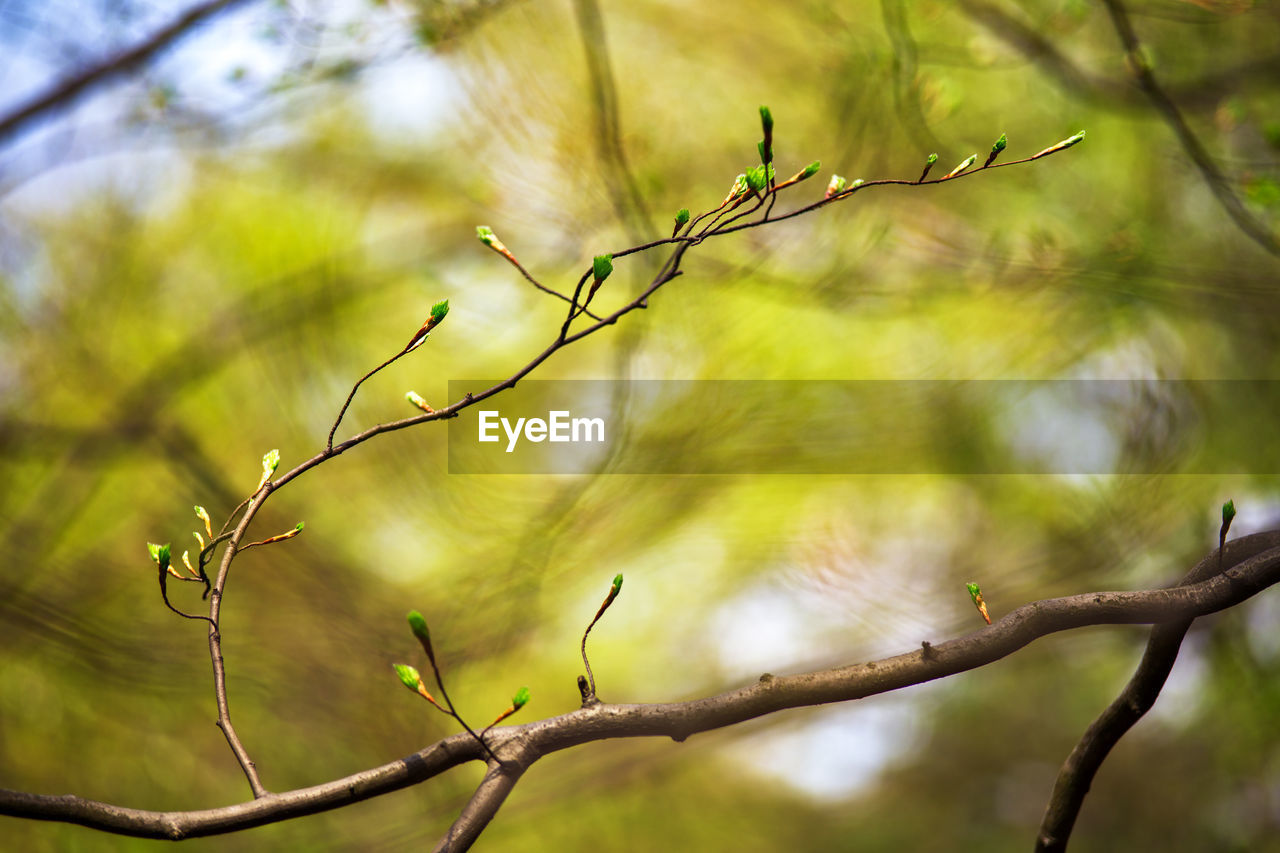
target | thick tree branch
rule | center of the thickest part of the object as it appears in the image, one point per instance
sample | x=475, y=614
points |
x=1259, y=567
x=483, y=805
x=1138, y=696
x=64, y=93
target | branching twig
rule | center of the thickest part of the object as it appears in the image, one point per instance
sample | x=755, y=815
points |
x=670, y=270
x=333, y=429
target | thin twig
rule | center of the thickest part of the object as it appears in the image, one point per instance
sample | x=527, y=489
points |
x=333, y=429
x=453, y=711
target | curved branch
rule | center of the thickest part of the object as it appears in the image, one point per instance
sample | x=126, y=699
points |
x=64, y=93
x=272, y=808
x=1138, y=696
x=1259, y=568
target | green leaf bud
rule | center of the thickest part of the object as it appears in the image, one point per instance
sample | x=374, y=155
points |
x=203, y=515
x=682, y=216
x=486, y=235
x=969, y=161
x=601, y=267
x=159, y=554
x=811, y=170
x=438, y=311
x=408, y=676
x=521, y=698
x=416, y=399
x=1000, y=144
x=1066, y=143
x=418, y=625
x=766, y=119
x=1228, y=512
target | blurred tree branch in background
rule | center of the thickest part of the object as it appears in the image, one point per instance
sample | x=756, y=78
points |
x=66, y=91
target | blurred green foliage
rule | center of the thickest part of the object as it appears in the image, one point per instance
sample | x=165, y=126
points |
x=156, y=343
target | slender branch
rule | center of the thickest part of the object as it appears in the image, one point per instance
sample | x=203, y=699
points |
x=669, y=271
x=67, y=91
x=522, y=745
x=215, y=643
x=333, y=429
x=453, y=711
x=1138, y=696
x=1164, y=105
x=557, y=294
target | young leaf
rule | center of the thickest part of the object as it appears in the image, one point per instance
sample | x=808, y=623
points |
x=208, y=523
x=973, y=158
x=1064, y=144
x=416, y=399
x=601, y=267
x=408, y=676
x=438, y=311
x=975, y=592
x=270, y=462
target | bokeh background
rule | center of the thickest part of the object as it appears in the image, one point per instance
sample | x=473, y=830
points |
x=198, y=259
